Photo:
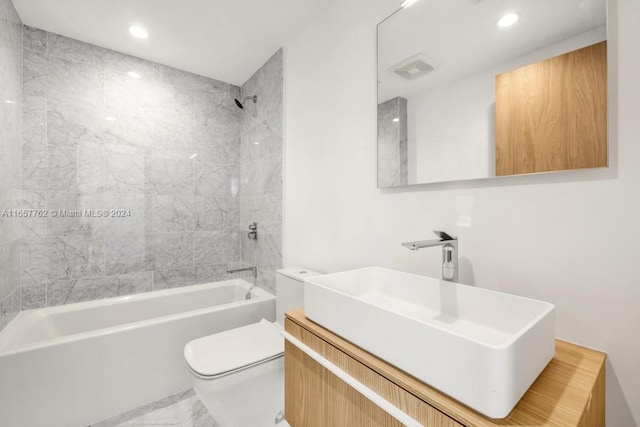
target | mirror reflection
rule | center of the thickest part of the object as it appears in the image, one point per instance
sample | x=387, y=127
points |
x=471, y=89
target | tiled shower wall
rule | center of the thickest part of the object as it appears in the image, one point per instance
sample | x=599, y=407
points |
x=10, y=114
x=261, y=169
x=161, y=151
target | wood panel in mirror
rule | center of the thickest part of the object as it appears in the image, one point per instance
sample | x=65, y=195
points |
x=552, y=115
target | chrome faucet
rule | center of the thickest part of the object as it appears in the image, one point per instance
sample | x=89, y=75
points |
x=255, y=278
x=449, y=253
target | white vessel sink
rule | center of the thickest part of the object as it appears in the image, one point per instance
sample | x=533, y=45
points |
x=481, y=347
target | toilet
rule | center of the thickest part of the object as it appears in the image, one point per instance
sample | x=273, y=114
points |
x=239, y=374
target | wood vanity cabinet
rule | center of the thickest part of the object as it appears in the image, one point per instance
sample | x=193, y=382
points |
x=569, y=392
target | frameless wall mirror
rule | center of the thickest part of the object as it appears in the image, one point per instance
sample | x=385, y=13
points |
x=471, y=89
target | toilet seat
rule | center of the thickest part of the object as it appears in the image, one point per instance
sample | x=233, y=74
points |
x=245, y=347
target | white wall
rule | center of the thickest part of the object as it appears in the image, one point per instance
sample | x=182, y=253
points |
x=568, y=238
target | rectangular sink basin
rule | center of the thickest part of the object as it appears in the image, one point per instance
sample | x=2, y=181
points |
x=481, y=347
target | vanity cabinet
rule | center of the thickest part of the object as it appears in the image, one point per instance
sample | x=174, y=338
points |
x=569, y=392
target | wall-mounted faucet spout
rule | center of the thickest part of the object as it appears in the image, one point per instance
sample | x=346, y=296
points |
x=255, y=278
x=449, y=253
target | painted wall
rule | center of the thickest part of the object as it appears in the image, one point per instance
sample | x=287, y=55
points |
x=261, y=156
x=160, y=149
x=10, y=127
x=569, y=238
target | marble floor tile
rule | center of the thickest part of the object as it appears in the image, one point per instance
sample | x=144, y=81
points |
x=183, y=409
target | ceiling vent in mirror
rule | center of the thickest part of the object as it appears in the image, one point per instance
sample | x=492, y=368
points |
x=413, y=67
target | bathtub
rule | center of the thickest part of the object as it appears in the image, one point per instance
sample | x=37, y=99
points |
x=81, y=363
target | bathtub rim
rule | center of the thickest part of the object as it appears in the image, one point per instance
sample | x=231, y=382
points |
x=260, y=294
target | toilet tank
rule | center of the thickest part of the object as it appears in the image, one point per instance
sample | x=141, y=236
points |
x=290, y=289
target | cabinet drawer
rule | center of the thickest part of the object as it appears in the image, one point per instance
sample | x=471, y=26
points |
x=314, y=397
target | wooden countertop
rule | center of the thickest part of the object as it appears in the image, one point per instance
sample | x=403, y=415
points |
x=561, y=396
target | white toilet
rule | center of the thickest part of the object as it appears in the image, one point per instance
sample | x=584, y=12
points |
x=239, y=374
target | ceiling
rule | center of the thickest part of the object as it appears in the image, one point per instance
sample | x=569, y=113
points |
x=460, y=38
x=225, y=40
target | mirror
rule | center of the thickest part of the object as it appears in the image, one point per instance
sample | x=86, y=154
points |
x=471, y=89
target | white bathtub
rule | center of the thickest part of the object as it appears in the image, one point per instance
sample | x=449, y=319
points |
x=81, y=363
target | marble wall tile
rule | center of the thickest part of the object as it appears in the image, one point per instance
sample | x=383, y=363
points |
x=172, y=250
x=213, y=213
x=62, y=170
x=216, y=247
x=173, y=213
x=50, y=259
x=37, y=226
x=9, y=268
x=10, y=159
x=260, y=171
x=168, y=176
x=62, y=81
x=124, y=173
x=211, y=179
x=167, y=279
x=35, y=39
x=34, y=295
x=72, y=291
x=165, y=147
x=10, y=307
x=127, y=253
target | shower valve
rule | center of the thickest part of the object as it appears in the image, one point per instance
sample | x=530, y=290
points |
x=253, y=231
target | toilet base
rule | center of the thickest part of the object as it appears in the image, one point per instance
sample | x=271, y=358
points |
x=251, y=397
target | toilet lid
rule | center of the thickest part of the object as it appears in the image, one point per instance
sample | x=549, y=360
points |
x=220, y=354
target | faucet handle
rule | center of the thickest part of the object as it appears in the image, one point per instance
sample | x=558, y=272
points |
x=444, y=236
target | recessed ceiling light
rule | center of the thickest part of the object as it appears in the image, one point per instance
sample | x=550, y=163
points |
x=193, y=156
x=10, y=101
x=138, y=32
x=407, y=3
x=397, y=119
x=508, y=20
x=134, y=75
x=256, y=143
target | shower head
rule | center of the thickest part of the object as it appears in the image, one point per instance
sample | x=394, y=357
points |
x=240, y=104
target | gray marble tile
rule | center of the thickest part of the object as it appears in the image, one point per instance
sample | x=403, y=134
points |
x=34, y=226
x=79, y=290
x=50, y=259
x=172, y=250
x=168, y=176
x=9, y=268
x=216, y=247
x=33, y=295
x=212, y=213
x=211, y=179
x=91, y=173
x=272, y=170
x=35, y=39
x=35, y=167
x=127, y=253
x=173, y=213
x=124, y=173
x=8, y=12
x=64, y=225
x=9, y=308
x=62, y=168
x=183, y=409
x=167, y=279
x=126, y=214
x=62, y=81
x=71, y=123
